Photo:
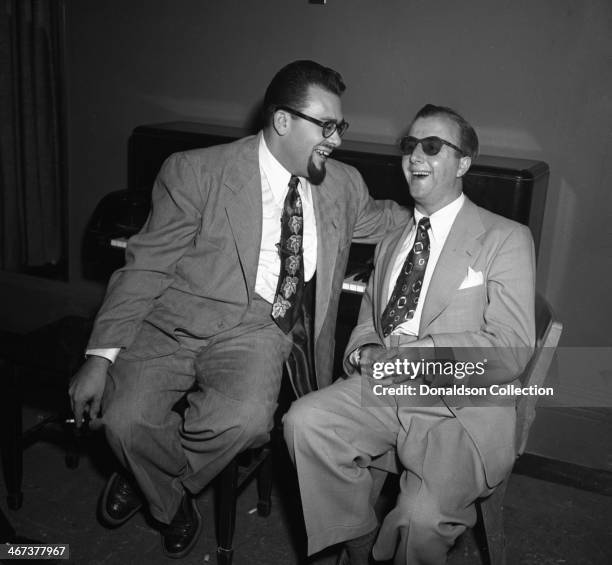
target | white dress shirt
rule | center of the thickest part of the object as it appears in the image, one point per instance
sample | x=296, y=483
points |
x=441, y=223
x=274, y=188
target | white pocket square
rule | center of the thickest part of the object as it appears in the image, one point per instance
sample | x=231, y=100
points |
x=473, y=278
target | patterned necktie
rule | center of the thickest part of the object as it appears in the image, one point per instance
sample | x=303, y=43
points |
x=288, y=298
x=405, y=296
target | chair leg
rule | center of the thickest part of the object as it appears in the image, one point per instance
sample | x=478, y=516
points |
x=492, y=520
x=12, y=438
x=264, y=486
x=226, y=493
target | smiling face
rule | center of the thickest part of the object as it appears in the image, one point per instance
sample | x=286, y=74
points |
x=298, y=144
x=435, y=180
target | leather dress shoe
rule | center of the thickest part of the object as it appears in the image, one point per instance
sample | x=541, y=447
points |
x=180, y=536
x=120, y=501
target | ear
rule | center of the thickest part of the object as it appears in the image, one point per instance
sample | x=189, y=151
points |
x=280, y=122
x=464, y=165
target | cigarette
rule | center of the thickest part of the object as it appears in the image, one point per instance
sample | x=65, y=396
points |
x=84, y=420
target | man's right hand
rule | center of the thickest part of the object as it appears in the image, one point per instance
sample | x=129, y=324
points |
x=368, y=354
x=87, y=387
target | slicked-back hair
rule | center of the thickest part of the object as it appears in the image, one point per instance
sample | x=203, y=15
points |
x=289, y=87
x=468, y=140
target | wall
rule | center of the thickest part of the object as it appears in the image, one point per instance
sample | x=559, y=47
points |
x=534, y=77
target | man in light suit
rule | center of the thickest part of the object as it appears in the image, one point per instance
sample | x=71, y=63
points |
x=205, y=310
x=455, y=285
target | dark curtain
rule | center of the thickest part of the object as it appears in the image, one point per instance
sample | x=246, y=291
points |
x=31, y=143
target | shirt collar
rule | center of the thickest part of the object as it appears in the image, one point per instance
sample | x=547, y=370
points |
x=442, y=220
x=278, y=177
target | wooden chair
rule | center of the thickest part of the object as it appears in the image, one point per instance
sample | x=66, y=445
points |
x=548, y=333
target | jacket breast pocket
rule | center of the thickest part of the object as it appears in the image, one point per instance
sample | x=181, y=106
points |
x=465, y=311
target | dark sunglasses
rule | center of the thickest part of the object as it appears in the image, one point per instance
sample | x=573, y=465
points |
x=328, y=126
x=431, y=145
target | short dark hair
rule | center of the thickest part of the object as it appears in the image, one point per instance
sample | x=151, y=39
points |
x=468, y=140
x=289, y=87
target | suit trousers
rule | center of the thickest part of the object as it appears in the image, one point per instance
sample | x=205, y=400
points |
x=229, y=383
x=334, y=437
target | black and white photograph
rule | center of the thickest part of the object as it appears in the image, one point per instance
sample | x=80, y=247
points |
x=306, y=282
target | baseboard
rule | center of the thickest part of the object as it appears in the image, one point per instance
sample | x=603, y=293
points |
x=568, y=474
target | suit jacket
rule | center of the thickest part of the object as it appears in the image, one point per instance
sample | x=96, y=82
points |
x=192, y=268
x=494, y=319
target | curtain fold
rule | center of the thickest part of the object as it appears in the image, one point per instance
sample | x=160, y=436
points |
x=31, y=145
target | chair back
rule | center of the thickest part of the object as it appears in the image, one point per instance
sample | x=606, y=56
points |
x=548, y=333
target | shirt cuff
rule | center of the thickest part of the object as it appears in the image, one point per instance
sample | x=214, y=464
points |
x=109, y=353
x=354, y=358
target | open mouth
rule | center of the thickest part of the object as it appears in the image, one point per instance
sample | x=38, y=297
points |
x=323, y=152
x=419, y=174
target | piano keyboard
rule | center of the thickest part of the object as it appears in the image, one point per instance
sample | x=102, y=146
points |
x=349, y=284
x=119, y=242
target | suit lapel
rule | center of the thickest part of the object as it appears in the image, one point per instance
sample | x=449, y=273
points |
x=243, y=207
x=328, y=234
x=461, y=246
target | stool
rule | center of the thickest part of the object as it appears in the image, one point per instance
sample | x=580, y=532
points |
x=229, y=483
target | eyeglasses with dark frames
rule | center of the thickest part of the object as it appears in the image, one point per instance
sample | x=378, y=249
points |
x=328, y=126
x=431, y=145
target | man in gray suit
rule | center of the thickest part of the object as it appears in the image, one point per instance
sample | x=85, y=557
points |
x=209, y=302
x=453, y=290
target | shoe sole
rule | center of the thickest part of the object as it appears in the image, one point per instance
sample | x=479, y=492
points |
x=194, y=541
x=104, y=516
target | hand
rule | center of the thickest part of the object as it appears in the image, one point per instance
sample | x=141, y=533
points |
x=368, y=354
x=402, y=358
x=87, y=387
x=375, y=359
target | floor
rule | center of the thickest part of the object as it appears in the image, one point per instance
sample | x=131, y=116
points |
x=546, y=523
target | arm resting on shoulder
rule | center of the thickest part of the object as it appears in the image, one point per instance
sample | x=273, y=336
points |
x=375, y=218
